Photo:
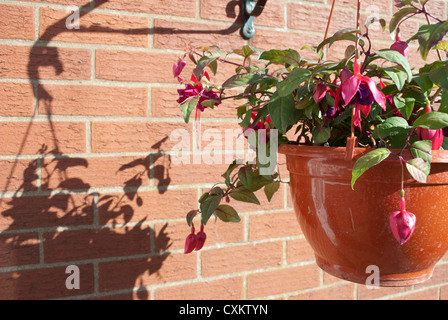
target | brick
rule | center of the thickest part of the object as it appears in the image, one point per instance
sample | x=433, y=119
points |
x=173, y=35
x=18, y=175
x=19, y=249
x=44, y=283
x=150, y=205
x=136, y=136
x=263, y=284
x=241, y=258
x=94, y=28
x=273, y=225
x=299, y=250
x=166, y=172
x=314, y=18
x=79, y=3
x=134, y=66
x=80, y=173
x=230, y=11
x=94, y=244
x=428, y=294
x=16, y=22
x=51, y=211
x=44, y=63
x=222, y=289
x=287, y=40
x=368, y=294
x=16, y=99
x=185, y=8
x=339, y=292
x=277, y=202
x=146, y=271
x=94, y=101
x=34, y=137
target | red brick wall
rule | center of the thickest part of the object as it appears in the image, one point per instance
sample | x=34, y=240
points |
x=85, y=167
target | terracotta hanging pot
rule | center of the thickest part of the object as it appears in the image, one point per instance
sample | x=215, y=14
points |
x=349, y=229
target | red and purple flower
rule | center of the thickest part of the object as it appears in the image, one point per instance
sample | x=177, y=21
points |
x=361, y=91
x=195, y=89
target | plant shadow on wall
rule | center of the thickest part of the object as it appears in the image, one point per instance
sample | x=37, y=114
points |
x=54, y=195
x=75, y=211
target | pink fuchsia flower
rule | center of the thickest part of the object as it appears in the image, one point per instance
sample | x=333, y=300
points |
x=400, y=46
x=402, y=223
x=328, y=111
x=197, y=89
x=191, y=241
x=435, y=136
x=201, y=236
x=361, y=91
x=178, y=67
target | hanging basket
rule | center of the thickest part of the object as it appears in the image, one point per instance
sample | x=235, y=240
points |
x=349, y=229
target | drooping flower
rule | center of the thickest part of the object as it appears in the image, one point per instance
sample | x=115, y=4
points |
x=361, y=91
x=201, y=236
x=178, y=67
x=402, y=223
x=191, y=241
x=400, y=46
x=196, y=89
x=435, y=136
x=328, y=110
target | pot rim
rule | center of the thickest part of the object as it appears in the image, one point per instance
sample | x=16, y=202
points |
x=339, y=153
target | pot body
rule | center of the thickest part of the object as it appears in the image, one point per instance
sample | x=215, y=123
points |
x=349, y=229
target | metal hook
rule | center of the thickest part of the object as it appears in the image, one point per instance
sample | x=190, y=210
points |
x=251, y=9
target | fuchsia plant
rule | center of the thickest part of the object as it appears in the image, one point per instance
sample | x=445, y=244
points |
x=367, y=99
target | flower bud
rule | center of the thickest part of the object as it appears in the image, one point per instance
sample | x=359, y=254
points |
x=402, y=224
x=400, y=46
x=191, y=241
x=436, y=136
x=201, y=236
x=178, y=67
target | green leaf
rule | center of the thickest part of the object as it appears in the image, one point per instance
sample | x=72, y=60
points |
x=284, y=57
x=209, y=206
x=444, y=102
x=229, y=171
x=282, y=111
x=391, y=127
x=396, y=57
x=246, y=174
x=397, y=75
x=242, y=79
x=188, y=106
x=271, y=189
x=419, y=169
x=405, y=106
x=244, y=195
x=202, y=63
x=422, y=149
x=295, y=78
x=440, y=76
x=227, y=214
x=345, y=34
x=429, y=35
x=432, y=120
x=367, y=161
x=398, y=16
x=321, y=133
x=190, y=216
